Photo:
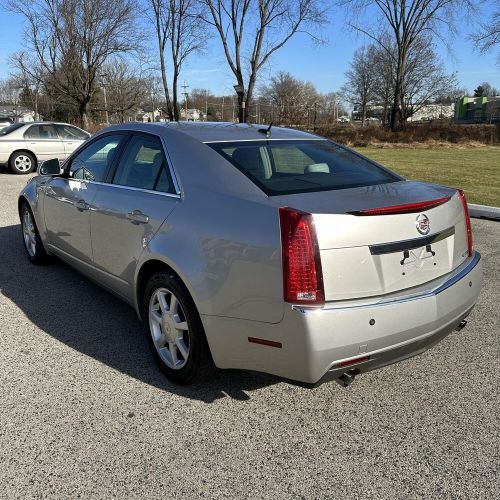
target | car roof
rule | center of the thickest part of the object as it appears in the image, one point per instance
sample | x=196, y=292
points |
x=222, y=131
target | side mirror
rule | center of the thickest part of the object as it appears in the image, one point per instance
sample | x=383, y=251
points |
x=50, y=167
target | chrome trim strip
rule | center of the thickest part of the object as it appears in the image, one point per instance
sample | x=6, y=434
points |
x=261, y=139
x=460, y=274
x=130, y=188
x=399, y=246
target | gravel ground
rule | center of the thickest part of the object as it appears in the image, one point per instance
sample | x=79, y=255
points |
x=85, y=413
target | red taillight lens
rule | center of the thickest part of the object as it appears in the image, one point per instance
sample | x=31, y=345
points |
x=302, y=275
x=468, y=228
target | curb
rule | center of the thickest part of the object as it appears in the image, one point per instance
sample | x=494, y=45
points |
x=484, y=211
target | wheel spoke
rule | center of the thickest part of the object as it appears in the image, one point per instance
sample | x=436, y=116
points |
x=174, y=305
x=173, y=352
x=179, y=342
x=181, y=325
x=163, y=302
x=156, y=317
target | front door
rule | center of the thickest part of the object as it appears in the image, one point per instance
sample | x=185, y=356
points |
x=69, y=199
x=128, y=211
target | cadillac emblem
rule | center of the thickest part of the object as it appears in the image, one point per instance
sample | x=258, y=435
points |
x=423, y=224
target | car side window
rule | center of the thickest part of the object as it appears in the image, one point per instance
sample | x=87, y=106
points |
x=91, y=163
x=144, y=166
x=68, y=133
x=38, y=132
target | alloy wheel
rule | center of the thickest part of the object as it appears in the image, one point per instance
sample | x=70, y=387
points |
x=23, y=163
x=169, y=328
x=29, y=233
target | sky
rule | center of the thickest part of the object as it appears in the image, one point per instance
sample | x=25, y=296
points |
x=323, y=65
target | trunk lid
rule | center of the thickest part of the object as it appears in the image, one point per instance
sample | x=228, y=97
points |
x=371, y=255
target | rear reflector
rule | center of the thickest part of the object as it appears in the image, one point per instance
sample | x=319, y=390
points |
x=468, y=228
x=407, y=208
x=270, y=343
x=302, y=274
x=353, y=361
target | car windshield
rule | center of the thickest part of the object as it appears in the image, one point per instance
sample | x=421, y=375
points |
x=11, y=128
x=285, y=167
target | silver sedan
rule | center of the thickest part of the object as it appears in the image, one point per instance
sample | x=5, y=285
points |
x=263, y=249
x=23, y=146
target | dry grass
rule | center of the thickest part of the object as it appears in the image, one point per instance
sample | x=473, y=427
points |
x=474, y=169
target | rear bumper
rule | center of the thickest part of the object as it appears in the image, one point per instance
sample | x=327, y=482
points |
x=315, y=341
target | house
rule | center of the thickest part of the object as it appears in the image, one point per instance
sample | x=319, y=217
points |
x=146, y=115
x=192, y=115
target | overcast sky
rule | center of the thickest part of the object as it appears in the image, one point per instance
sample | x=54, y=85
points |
x=323, y=65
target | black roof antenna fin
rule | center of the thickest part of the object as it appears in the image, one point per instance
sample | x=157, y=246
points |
x=267, y=130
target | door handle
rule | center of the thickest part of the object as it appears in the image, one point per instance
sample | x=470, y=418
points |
x=137, y=217
x=82, y=205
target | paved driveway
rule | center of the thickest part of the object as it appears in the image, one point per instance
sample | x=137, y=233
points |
x=85, y=413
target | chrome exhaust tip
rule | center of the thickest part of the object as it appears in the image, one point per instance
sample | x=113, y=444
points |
x=461, y=325
x=346, y=379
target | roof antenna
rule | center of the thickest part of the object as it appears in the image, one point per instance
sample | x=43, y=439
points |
x=267, y=130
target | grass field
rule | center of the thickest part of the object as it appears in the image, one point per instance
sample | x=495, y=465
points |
x=475, y=170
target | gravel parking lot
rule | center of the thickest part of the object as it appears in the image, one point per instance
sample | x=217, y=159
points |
x=85, y=413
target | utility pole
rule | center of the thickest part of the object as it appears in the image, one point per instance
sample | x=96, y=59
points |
x=206, y=105
x=185, y=94
x=104, y=84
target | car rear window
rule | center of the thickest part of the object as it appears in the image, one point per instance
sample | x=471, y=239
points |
x=286, y=167
x=11, y=128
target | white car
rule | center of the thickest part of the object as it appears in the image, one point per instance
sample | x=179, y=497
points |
x=23, y=146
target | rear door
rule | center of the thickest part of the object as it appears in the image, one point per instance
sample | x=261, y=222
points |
x=72, y=137
x=43, y=139
x=130, y=208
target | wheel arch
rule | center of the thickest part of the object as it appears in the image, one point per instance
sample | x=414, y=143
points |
x=146, y=270
x=24, y=150
x=20, y=201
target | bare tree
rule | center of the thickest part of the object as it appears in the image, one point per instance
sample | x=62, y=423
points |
x=30, y=77
x=71, y=40
x=425, y=79
x=292, y=101
x=180, y=33
x=488, y=37
x=254, y=30
x=361, y=80
x=124, y=90
x=407, y=21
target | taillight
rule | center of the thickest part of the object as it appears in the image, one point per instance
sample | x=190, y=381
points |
x=468, y=228
x=302, y=274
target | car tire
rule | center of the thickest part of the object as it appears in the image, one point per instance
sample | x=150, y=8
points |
x=22, y=162
x=173, y=329
x=31, y=237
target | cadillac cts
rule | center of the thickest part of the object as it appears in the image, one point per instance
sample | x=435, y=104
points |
x=265, y=248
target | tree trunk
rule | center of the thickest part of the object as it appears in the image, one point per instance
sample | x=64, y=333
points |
x=165, y=84
x=398, y=87
x=174, y=96
x=84, y=115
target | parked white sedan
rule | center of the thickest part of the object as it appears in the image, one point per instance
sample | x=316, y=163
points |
x=25, y=145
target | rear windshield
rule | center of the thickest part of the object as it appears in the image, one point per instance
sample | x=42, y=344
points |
x=286, y=167
x=11, y=128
